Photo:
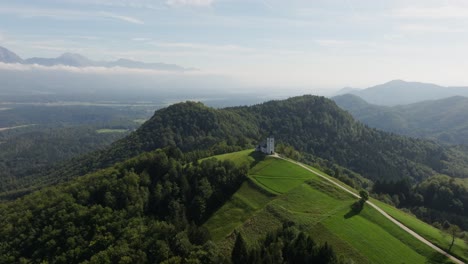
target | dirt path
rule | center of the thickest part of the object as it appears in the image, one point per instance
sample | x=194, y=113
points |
x=411, y=232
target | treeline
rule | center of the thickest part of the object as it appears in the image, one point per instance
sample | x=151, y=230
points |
x=286, y=245
x=145, y=210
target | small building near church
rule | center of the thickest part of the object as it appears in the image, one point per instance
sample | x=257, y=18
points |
x=267, y=147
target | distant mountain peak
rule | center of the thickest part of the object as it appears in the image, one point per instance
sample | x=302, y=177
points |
x=400, y=92
x=7, y=56
x=396, y=81
x=346, y=90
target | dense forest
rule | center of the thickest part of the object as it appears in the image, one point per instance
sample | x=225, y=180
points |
x=286, y=245
x=437, y=199
x=147, y=208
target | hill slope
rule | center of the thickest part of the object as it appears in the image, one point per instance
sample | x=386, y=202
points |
x=145, y=210
x=280, y=191
x=154, y=207
x=444, y=119
x=313, y=125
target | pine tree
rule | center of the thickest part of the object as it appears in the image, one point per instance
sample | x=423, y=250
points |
x=240, y=253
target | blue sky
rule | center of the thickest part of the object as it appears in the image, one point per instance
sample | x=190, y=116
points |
x=292, y=44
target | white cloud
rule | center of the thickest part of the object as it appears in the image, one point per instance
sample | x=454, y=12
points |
x=203, y=47
x=189, y=2
x=442, y=12
x=424, y=28
x=65, y=14
x=335, y=43
x=122, y=18
x=95, y=70
x=142, y=4
x=141, y=39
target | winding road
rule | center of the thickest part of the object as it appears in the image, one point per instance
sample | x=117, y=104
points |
x=405, y=228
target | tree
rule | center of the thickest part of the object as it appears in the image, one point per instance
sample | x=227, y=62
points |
x=364, y=195
x=453, y=230
x=240, y=252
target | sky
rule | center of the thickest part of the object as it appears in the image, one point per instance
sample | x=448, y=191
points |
x=294, y=44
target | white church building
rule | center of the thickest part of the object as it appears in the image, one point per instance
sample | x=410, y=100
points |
x=267, y=147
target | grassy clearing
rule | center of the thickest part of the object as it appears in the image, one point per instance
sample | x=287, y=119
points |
x=318, y=207
x=242, y=205
x=248, y=156
x=460, y=248
x=109, y=130
x=369, y=238
x=279, y=176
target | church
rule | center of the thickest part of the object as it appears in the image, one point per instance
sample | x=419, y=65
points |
x=267, y=147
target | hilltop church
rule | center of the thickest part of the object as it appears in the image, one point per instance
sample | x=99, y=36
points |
x=267, y=147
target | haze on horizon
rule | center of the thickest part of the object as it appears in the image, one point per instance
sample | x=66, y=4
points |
x=325, y=44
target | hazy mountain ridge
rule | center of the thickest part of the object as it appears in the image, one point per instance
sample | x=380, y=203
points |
x=399, y=92
x=77, y=60
x=443, y=119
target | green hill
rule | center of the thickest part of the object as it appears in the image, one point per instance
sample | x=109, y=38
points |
x=279, y=191
x=313, y=125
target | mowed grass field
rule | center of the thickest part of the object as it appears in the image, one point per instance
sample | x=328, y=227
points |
x=459, y=249
x=279, y=191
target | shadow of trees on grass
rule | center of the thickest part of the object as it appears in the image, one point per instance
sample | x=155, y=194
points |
x=437, y=258
x=355, y=209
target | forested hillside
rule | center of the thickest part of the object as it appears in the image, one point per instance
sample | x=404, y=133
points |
x=147, y=209
x=444, y=120
x=313, y=125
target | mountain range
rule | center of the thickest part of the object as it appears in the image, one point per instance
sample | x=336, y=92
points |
x=399, y=92
x=444, y=120
x=77, y=60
